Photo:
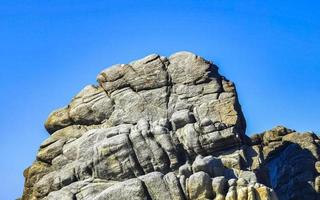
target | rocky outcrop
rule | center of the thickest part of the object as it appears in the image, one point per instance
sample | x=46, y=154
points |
x=167, y=128
x=288, y=162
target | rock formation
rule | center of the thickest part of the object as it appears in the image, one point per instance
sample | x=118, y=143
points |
x=167, y=129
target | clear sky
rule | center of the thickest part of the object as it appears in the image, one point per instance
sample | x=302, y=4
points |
x=49, y=50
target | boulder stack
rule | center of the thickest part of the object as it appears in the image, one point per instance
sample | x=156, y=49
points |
x=167, y=129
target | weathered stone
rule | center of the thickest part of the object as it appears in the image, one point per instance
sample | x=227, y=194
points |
x=132, y=189
x=232, y=193
x=174, y=186
x=147, y=73
x=156, y=186
x=254, y=156
x=188, y=68
x=185, y=170
x=199, y=186
x=264, y=193
x=317, y=184
x=69, y=192
x=242, y=193
x=168, y=129
x=32, y=175
x=232, y=182
x=219, y=186
x=58, y=119
x=90, y=106
x=181, y=118
x=317, y=166
x=91, y=190
x=114, y=158
x=51, y=151
x=284, y=151
x=210, y=165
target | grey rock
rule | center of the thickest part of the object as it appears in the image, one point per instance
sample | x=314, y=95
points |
x=199, y=186
x=92, y=190
x=132, y=189
x=173, y=184
x=156, y=186
x=317, y=184
x=284, y=151
x=51, y=151
x=181, y=118
x=90, y=106
x=232, y=182
x=242, y=193
x=185, y=170
x=210, y=165
x=187, y=68
x=147, y=73
x=317, y=166
x=160, y=128
x=232, y=193
x=58, y=119
x=219, y=186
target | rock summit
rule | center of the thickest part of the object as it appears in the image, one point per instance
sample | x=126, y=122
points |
x=167, y=128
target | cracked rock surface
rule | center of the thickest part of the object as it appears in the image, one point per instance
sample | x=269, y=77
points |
x=167, y=128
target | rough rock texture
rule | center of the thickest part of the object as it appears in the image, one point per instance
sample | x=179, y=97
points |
x=289, y=162
x=167, y=129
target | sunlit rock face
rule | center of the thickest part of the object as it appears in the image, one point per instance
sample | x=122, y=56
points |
x=167, y=128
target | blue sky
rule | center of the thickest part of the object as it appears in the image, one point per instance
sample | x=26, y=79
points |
x=49, y=50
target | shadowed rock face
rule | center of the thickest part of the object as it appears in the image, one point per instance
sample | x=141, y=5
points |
x=289, y=162
x=166, y=128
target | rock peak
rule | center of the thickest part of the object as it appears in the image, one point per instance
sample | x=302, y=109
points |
x=166, y=128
